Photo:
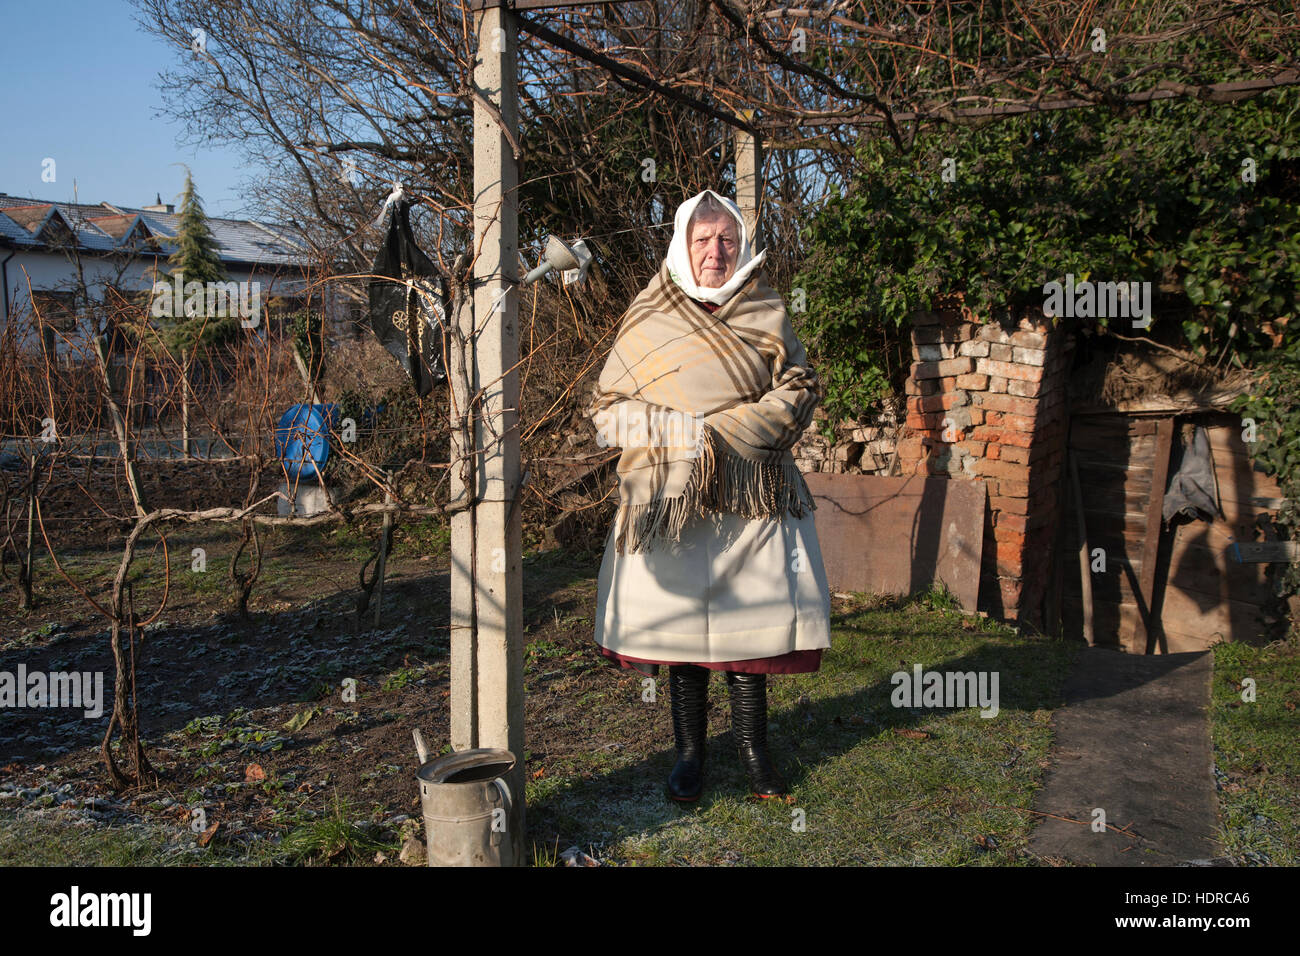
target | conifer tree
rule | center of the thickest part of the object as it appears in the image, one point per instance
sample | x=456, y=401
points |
x=190, y=329
x=196, y=259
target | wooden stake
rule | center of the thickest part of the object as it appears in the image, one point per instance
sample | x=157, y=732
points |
x=1085, y=565
x=383, y=547
x=1147, y=629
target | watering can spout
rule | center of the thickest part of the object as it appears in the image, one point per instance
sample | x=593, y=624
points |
x=421, y=748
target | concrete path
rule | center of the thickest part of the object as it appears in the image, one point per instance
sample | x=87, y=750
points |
x=1133, y=739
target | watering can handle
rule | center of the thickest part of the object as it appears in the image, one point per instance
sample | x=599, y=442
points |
x=505, y=792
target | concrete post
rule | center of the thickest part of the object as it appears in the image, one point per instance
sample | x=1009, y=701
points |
x=487, y=669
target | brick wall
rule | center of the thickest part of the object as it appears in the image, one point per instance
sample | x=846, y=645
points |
x=857, y=449
x=986, y=402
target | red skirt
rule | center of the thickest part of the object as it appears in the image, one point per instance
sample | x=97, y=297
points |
x=794, y=662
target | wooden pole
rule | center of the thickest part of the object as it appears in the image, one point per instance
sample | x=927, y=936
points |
x=383, y=547
x=1085, y=559
x=31, y=518
x=749, y=180
x=487, y=671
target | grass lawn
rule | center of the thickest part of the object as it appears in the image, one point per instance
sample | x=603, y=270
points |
x=872, y=784
x=1255, y=750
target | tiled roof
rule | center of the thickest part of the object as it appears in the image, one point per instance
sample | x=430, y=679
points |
x=29, y=217
x=102, y=227
x=115, y=226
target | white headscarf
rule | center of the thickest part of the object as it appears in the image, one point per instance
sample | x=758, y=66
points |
x=679, y=256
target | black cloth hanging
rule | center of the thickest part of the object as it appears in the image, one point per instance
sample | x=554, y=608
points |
x=408, y=308
x=1193, y=488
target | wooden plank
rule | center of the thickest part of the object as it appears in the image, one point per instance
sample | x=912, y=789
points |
x=1238, y=481
x=865, y=521
x=1268, y=504
x=1264, y=552
x=1150, y=549
x=1193, y=567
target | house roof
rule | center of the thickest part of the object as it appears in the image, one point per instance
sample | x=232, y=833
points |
x=106, y=228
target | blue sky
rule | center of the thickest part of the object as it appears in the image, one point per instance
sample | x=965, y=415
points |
x=78, y=84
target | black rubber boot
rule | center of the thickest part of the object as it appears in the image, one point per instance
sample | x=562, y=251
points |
x=749, y=727
x=689, y=688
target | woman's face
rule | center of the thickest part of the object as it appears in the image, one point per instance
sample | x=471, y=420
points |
x=713, y=246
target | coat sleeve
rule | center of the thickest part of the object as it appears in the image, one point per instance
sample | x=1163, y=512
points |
x=775, y=421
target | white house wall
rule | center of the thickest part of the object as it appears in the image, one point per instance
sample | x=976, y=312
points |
x=50, y=272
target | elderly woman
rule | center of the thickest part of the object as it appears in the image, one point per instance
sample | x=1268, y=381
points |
x=712, y=563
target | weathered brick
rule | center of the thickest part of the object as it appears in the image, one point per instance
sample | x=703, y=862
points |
x=1006, y=436
x=975, y=348
x=1045, y=517
x=973, y=381
x=1021, y=423
x=1009, y=522
x=1041, y=449
x=1000, y=353
x=1010, y=558
x=1029, y=340
x=992, y=450
x=994, y=333
x=940, y=402
x=932, y=334
x=1011, y=589
x=1049, y=398
x=1017, y=506
x=1014, y=454
x=943, y=369
x=1006, y=403
x=999, y=470
x=910, y=448
x=930, y=422
x=975, y=448
x=1028, y=356
x=998, y=384
x=1008, y=369
x=1009, y=488
x=934, y=352
x=1034, y=322
x=977, y=416
x=1024, y=389
x=1042, y=480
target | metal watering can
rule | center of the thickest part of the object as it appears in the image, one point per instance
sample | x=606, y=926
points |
x=466, y=806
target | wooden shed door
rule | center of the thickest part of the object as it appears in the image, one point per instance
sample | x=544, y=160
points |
x=1197, y=593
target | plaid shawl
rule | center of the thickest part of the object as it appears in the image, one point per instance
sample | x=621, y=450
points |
x=740, y=380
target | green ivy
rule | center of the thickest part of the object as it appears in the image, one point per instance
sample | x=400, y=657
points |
x=1274, y=408
x=1154, y=194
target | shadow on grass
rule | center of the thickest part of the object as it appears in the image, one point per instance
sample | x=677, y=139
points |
x=810, y=740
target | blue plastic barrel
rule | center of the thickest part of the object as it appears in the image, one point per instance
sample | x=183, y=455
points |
x=302, y=438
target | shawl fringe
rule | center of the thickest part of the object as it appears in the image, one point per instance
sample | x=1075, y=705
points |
x=722, y=482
